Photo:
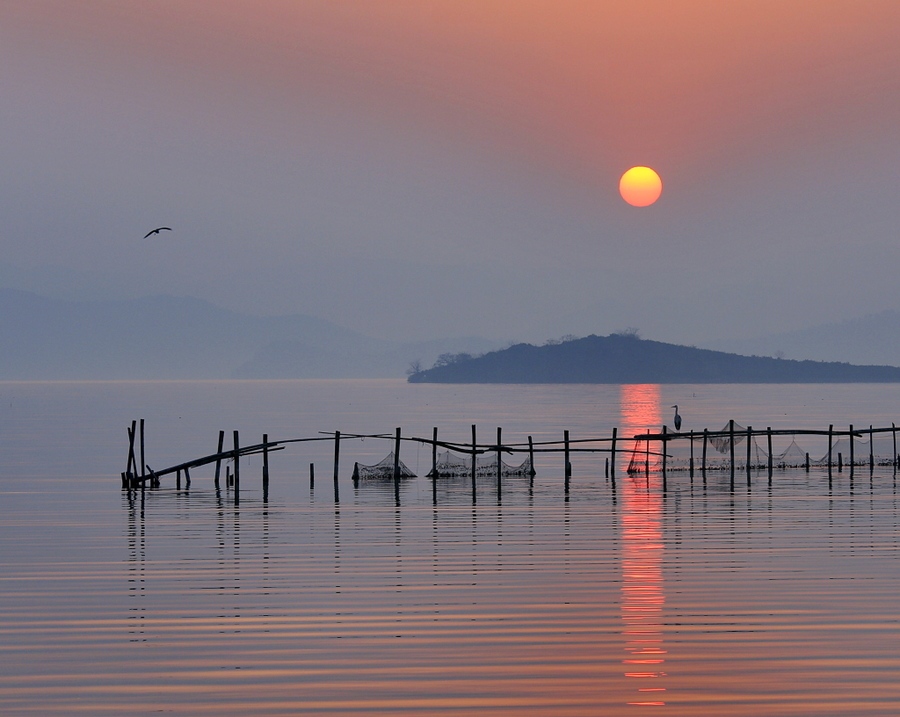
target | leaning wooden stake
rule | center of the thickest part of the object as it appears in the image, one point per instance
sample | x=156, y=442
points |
x=219, y=459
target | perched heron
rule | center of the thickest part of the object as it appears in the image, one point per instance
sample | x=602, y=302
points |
x=677, y=419
x=157, y=231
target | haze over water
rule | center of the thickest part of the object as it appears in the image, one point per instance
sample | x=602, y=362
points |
x=694, y=600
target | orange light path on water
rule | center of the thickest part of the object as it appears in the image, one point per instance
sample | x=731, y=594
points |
x=643, y=596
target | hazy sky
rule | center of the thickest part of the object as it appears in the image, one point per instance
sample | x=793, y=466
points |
x=434, y=168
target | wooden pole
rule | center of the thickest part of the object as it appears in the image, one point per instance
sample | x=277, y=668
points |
x=337, y=463
x=691, y=464
x=178, y=480
x=219, y=458
x=143, y=462
x=731, y=440
x=131, y=468
x=474, y=462
x=265, y=471
x=568, y=465
x=871, y=449
x=187, y=477
x=840, y=462
x=237, y=466
x=852, y=457
x=434, y=453
x=769, y=447
x=664, y=452
x=807, y=462
x=749, y=451
x=434, y=465
x=894, y=435
x=531, y=456
x=312, y=476
x=830, y=441
x=665, y=430
x=397, y=455
x=499, y=458
x=703, y=455
x=647, y=456
x=612, y=457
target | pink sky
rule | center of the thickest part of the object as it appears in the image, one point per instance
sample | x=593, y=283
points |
x=436, y=134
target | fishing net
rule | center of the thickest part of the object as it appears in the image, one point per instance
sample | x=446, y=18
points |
x=449, y=465
x=384, y=470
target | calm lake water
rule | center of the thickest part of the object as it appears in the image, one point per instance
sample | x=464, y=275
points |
x=775, y=598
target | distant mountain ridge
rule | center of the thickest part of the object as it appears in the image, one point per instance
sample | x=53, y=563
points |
x=627, y=359
x=166, y=337
x=870, y=339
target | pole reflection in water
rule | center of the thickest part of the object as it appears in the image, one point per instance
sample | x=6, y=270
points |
x=643, y=595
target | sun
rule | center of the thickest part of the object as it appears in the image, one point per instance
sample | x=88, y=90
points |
x=640, y=186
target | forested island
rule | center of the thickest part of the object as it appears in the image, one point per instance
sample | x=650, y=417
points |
x=626, y=358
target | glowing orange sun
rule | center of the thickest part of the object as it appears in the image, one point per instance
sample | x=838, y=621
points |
x=640, y=186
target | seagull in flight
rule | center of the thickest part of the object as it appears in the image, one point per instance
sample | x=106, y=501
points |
x=157, y=231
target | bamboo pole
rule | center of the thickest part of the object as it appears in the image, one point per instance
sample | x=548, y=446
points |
x=769, y=446
x=830, y=442
x=143, y=463
x=568, y=466
x=312, y=476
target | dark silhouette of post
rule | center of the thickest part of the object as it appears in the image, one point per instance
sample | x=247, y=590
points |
x=237, y=467
x=769, y=446
x=749, y=451
x=143, y=463
x=703, y=455
x=397, y=466
x=474, y=462
x=219, y=456
x=265, y=470
x=612, y=457
x=731, y=441
x=337, y=463
x=852, y=457
x=312, y=476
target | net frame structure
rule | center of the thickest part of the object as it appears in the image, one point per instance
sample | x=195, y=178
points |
x=451, y=465
x=383, y=470
x=728, y=449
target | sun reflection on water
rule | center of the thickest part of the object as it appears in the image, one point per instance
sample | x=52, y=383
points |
x=643, y=596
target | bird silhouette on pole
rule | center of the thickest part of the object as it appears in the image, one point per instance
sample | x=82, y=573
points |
x=677, y=419
x=157, y=231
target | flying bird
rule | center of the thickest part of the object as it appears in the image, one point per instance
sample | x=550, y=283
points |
x=157, y=231
x=677, y=419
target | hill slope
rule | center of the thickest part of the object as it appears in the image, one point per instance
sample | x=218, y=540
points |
x=627, y=359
